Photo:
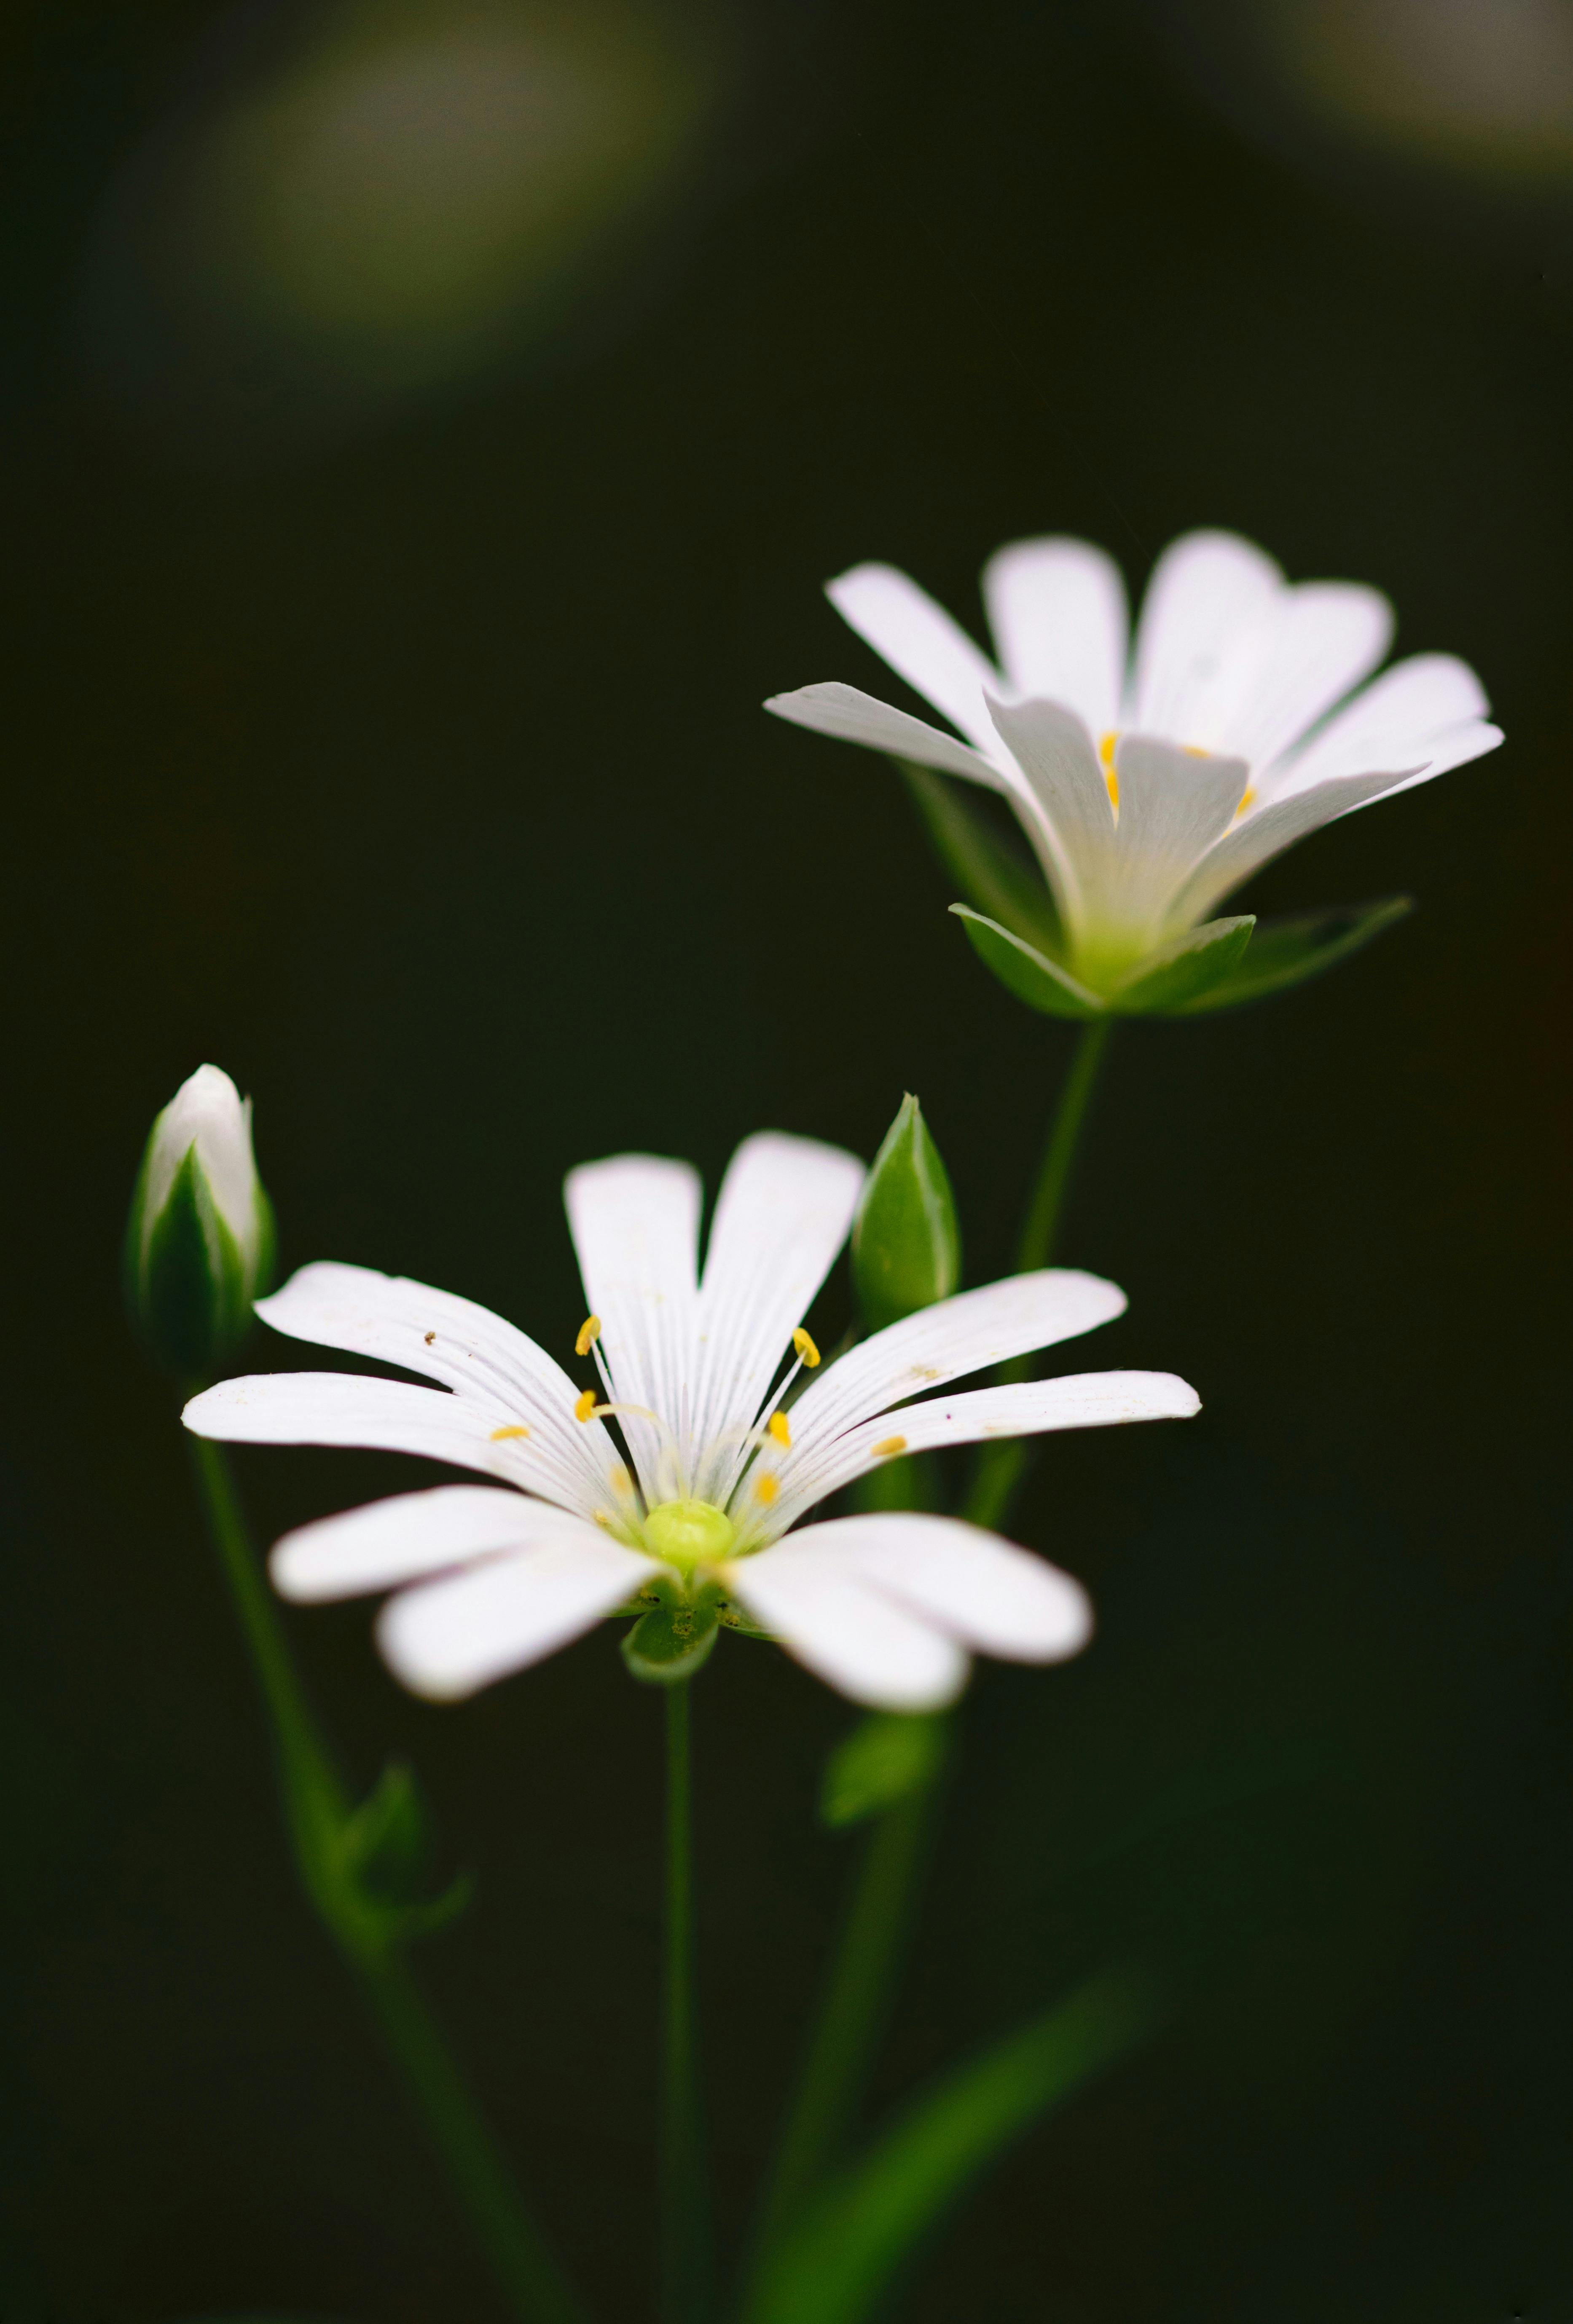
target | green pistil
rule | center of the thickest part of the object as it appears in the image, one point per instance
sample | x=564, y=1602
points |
x=686, y=1534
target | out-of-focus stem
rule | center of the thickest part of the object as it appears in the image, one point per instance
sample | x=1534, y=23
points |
x=316, y=1803
x=684, y=2223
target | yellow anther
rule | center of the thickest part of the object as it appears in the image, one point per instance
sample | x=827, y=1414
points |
x=1248, y=799
x=1195, y=751
x=1105, y=750
x=767, y=1490
x=622, y=1483
x=585, y=1406
x=805, y=1347
x=1112, y=781
x=518, y=1429
x=777, y=1426
x=888, y=1446
x=590, y=1333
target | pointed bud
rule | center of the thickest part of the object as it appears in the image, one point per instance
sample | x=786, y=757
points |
x=199, y=1241
x=906, y=1248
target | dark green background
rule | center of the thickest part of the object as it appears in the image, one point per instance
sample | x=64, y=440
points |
x=420, y=782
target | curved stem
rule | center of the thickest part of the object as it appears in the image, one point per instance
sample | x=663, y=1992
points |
x=317, y=1803
x=1001, y=1466
x=685, y=2275
x=855, y=2010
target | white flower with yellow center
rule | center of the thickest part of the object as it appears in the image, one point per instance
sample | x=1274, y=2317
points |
x=1152, y=784
x=700, y=1504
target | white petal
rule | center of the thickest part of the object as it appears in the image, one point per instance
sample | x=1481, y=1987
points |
x=488, y=1363
x=1196, y=639
x=383, y=1415
x=784, y=1209
x=388, y=1542
x=919, y=641
x=206, y=1111
x=849, y=1633
x=635, y=1226
x=1057, y=608
x=1266, y=833
x=1024, y=1408
x=1055, y=753
x=1392, y=724
x=1316, y=642
x=448, y=1638
x=967, y=1333
x=832, y=708
x=1173, y=806
x=1455, y=747
x=992, y=1596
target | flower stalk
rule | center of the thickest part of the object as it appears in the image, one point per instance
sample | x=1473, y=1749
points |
x=319, y=1814
x=684, y=2206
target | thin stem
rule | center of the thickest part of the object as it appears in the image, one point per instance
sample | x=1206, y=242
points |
x=316, y=1803
x=685, y=2272
x=856, y=2008
x=1003, y=1465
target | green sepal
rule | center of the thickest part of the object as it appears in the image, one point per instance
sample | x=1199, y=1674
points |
x=1286, y=953
x=385, y=1848
x=673, y=1640
x=1024, y=971
x=187, y=1290
x=906, y=1246
x=996, y=878
x=1179, y=973
x=888, y=1757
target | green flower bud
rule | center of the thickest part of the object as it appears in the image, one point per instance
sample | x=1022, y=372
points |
x=199, y=1241
x=906, y=1247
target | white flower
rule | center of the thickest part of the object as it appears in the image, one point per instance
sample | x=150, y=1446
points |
x=694, y=1370
x=1150, y=789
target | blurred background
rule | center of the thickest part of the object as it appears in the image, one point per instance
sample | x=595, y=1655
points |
x=424, y=428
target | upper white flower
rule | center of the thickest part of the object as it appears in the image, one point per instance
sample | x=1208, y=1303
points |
x=1150, y=786
x=712, y=1473
x=206, y=1112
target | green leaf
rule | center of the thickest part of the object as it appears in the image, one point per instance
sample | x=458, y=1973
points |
x=1285, y=952
x=673, y=1641
x=888, y=1756
x=996, y=878
x=1180, y=973
x=906, y=1247
x=837, y=2263
x=1027, y=972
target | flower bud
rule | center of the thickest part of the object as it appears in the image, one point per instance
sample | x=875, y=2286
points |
x=199, y=1241
x=906, y=1248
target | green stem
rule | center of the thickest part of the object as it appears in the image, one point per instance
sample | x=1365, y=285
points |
x=856, y=2008
x=316, y=1803
x=685, y=2273
x=1003, y=1465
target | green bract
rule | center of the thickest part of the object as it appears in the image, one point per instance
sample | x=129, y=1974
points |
x=906, y=1247
x=199, y=1241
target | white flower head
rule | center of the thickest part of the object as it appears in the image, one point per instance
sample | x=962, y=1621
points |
x=1150, y=783
x=701, y=1494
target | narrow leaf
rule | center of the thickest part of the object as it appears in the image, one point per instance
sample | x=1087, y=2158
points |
x=1285, y=952
x=1022, y=970
x=888, y=1756
x=1183, y=971
x=996, y=878
x=837, y=2263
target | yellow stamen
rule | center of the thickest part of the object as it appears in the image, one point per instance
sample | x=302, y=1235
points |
x=590, y=1333
x=1195, y=751
x=622, y=1483
x=585, y=1406
x=888, y=1446
x=1248, y=799
x=805, y=1347
x=1105, y=750
x=777, y=1426
x=767, y=1489
x=517, y=1430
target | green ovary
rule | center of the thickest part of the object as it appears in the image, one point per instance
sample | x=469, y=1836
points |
x=686, y=1534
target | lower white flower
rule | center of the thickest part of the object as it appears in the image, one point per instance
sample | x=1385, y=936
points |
x=714, y=1471
x=1151, y=785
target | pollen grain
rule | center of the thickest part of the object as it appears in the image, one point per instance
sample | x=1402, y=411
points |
x=888, y=1446
x=517, y=1429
